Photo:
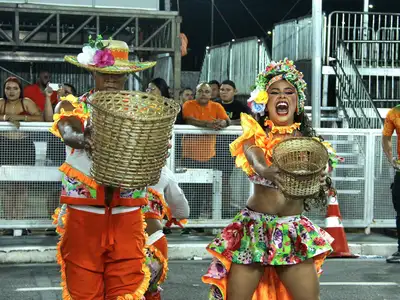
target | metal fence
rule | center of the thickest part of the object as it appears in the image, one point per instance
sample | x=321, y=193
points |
x=235, y=61
x=216, y=190
x=294, y=39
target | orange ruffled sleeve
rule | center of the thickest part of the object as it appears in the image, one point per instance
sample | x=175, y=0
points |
x=251, y=129
x=79, y=112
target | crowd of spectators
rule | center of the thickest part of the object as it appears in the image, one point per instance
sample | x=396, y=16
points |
x=211, y=106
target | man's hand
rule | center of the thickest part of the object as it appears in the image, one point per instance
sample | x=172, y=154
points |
x=89, y=145
x=395, y=164
x=48, y=91
x=169, y=147
x=219, y=124
x=322, y=178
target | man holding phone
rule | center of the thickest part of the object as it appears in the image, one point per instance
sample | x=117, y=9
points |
x=40, y=93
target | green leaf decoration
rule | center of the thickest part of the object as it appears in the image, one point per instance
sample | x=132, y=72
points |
x=137, y=194
x=99, y=45
x=92, y=42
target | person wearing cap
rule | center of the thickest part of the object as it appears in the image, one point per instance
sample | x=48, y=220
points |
x=102, y=245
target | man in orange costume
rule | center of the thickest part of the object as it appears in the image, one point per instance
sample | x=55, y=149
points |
x=102, y=245
x=392, y=123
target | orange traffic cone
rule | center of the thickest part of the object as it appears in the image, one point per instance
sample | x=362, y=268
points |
x=334, y=226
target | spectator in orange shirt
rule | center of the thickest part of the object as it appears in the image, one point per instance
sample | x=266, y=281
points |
x=202, y=112
x=44, y=97
x=199, y=150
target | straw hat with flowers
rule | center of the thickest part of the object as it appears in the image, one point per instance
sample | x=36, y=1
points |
x=107, y=56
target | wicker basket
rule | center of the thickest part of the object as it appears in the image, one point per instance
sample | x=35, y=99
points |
x=131, y=132
x=301, y=161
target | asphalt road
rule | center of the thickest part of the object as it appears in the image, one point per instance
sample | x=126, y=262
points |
x=342, y=280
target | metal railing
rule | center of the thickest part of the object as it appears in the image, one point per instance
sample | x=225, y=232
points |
x=216, y=190
x=379, y=65
x=353, y=96
x=360, y=26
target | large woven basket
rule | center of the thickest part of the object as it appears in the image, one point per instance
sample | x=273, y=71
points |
x=300, y=161
x=131, y=132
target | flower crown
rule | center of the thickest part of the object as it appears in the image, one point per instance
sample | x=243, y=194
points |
x=95, y=53
x=275, y=71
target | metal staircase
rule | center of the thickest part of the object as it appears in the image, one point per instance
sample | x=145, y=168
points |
x=329, y=116
x=352, y=94
x=359, y=112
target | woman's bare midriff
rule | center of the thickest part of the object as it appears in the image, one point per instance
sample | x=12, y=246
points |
x=153, y=225
x=271, y=201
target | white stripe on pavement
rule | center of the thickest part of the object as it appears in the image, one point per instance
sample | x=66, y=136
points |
x=38, y=289
x=362, y=283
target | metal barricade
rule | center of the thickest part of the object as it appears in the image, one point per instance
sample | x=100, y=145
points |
x=29, y=176
x=382, y=205
x=213, y=203
x=216, y=190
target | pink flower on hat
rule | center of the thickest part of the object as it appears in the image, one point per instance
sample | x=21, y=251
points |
x=103, y=58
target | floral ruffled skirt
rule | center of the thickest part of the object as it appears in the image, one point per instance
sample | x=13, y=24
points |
x=269, y=240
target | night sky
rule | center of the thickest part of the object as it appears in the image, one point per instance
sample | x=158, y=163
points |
x=196, y=16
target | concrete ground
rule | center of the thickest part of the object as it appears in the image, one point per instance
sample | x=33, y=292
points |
x=41, y=249
x=350, y=279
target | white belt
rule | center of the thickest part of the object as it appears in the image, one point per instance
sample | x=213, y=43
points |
x=102, y=211
x=154, y=237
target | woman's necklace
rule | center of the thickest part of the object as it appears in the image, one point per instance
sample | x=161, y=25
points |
x=282, y=129
x=13, y=105
x=286, y=129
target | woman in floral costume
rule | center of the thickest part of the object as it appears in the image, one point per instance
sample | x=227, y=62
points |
x=270, y=250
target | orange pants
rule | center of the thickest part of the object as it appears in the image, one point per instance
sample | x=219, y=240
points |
x=162, y=246
x=102, y=256
x=159, y=252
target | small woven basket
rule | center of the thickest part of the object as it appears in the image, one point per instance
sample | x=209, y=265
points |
x=300, y=161
x=131, y=132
